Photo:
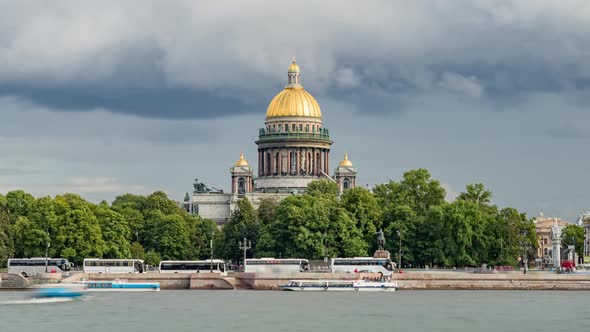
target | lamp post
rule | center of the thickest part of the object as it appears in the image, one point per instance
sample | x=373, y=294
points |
x=525, y=250
x=400, y=252
x=46, y=254
x=211, y=245
x=136, y=236
x=245, y=245
x=542, y=253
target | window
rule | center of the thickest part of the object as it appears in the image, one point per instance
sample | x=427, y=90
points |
x=293, y=169
x=293, y=127
x=300, y=127
x=346, y=183
x=277, y=161
x=241, y=186
x=286, y=127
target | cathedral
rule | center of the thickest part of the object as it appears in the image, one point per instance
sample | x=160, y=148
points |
x=293, y=150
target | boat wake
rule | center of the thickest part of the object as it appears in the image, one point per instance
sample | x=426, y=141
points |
x=37, y=301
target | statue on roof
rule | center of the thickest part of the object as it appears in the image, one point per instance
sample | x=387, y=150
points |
x=202, y=188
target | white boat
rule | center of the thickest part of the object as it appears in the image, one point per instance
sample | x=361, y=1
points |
x=120, y=286
x=340, y=286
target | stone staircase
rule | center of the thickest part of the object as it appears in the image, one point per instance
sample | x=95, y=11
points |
x=14, y=281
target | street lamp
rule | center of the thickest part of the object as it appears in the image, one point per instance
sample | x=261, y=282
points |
x=525, y=249
x=46, y=255
x=542, y=253
x=245, y=245
x=211, y=245
x=400, y=252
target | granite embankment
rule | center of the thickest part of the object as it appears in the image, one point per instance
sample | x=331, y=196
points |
x=408, y=280
x=493, y=281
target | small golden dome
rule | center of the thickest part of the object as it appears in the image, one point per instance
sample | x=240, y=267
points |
x=294, y=101
x=241, y=161
x=293, y=68
x=345, y=162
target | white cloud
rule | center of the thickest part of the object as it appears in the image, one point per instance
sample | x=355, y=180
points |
x=469, y=86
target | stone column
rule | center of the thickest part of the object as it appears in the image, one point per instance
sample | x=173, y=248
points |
x=556, y=244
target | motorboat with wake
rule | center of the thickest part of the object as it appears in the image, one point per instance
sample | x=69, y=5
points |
x=119, y=286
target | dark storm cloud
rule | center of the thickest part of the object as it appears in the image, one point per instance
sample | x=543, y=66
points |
x=156, y=102
x=187, y=59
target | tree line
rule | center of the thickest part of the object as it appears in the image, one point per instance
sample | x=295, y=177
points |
x=413, y=212
x=469, y=231
x=147, y=227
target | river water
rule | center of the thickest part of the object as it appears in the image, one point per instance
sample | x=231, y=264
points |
x=171, y=311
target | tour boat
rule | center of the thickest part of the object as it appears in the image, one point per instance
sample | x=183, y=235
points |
x=120, y=285
x=340, y=286
x=61, y=291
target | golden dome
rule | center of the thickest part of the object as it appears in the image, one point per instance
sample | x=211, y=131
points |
x=294, y=101
x=345, y=162
x=241, y=161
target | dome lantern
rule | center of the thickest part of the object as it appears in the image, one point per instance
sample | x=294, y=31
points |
x=345, y=162
x=241, y=162
x=294, y=101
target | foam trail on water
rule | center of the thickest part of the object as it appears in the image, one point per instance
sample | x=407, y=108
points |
x=37, y=301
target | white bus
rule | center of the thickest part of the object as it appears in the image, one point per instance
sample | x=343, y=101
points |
x=205, y=266
x=31, y=266
x=276, y=265
x=363, y=264
x=99, y=265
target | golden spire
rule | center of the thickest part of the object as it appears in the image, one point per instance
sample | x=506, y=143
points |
x=241, y=161
x=345, y=162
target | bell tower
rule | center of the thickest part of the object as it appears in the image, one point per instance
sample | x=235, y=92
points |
x=345, y=174
x=241, y=177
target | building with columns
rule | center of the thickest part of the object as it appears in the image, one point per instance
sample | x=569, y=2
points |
x=293, y=150
x=584, y=221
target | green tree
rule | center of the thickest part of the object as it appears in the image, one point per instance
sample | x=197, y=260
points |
x=416, y=190
x=365, y=211
x=78, y=232
x=6, y=239
x=243, y=223
x=137, y=251
x=322, y=187
x=115, y=231
x=153, y=258
x=167, y=234
x=19, y=203
x=476, y=193
x=267, y=210
x=573, y=235
x=311, y=226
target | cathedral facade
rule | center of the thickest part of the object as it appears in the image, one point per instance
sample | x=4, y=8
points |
x=293, y=150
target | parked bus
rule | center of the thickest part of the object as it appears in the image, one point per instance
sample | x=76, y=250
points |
x=31, y=266
x=363, y=264
x=205, y=266
x=98, y=265
x=274, y=265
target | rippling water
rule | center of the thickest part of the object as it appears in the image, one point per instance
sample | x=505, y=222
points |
x=171, y=311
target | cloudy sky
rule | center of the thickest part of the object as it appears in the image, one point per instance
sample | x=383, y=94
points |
x=107, y=97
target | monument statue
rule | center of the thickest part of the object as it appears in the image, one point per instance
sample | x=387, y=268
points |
x=380, y=240
x=202, y=188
